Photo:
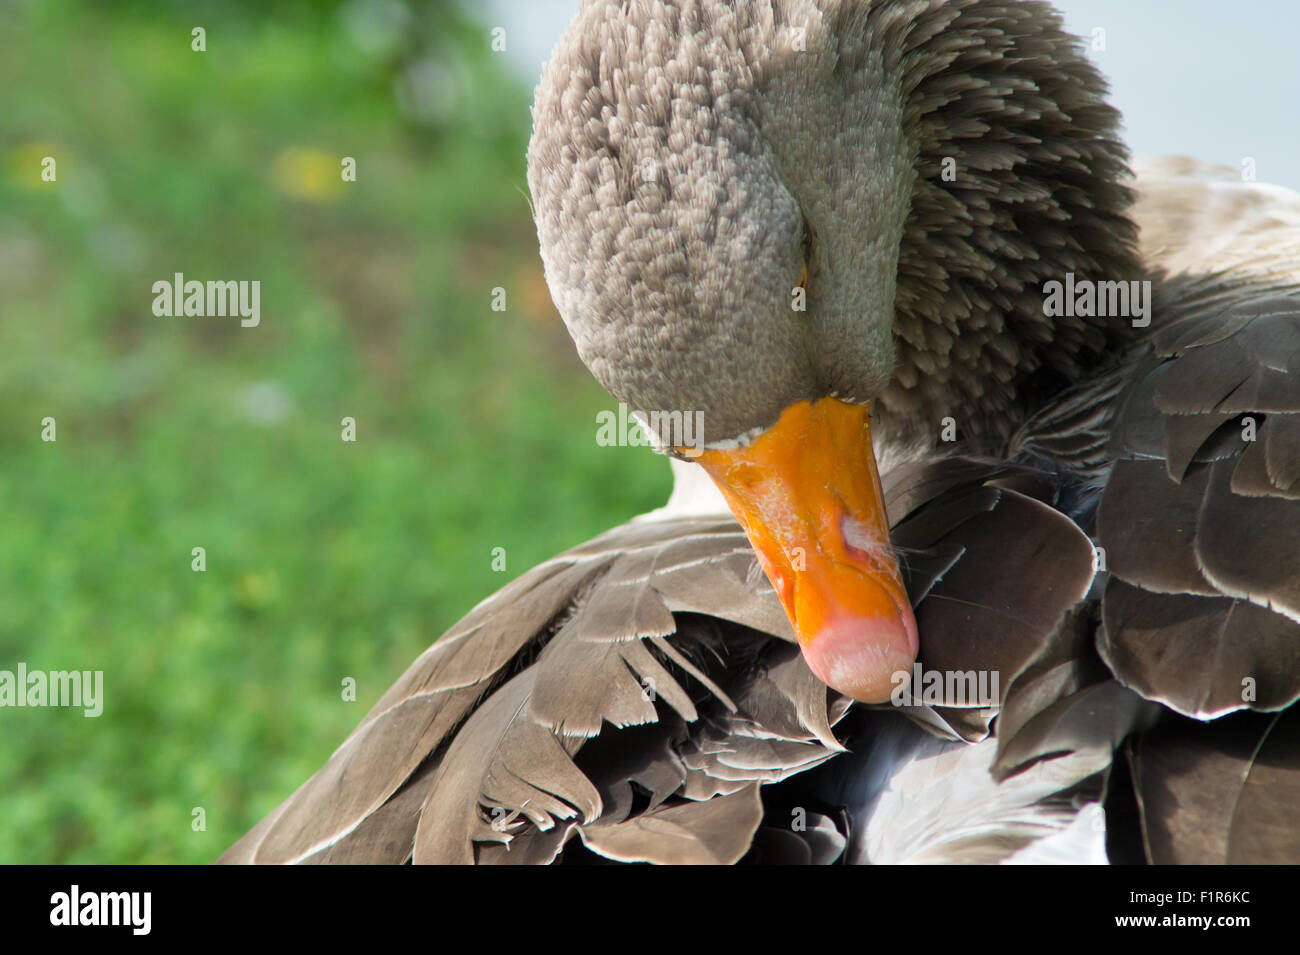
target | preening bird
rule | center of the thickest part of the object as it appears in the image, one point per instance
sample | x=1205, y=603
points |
x=989, y=549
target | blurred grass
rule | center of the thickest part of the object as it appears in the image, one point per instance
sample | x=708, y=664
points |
x=325, y=559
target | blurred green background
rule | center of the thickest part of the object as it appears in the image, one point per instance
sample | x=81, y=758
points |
x=325, y=560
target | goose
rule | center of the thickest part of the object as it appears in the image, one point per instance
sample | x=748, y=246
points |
x=963, y=568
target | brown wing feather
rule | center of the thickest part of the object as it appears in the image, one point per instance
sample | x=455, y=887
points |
x=1222, y=793
x=548, y=716
x=1201, y=611
x=476, y=744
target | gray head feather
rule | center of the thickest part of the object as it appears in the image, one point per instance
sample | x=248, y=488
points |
x=688, y=159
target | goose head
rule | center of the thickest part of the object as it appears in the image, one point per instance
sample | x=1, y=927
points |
x=793, y=222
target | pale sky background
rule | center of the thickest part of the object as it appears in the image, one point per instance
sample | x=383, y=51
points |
x=1214, y=79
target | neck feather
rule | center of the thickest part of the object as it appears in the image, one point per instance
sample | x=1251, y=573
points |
x=1020, y=178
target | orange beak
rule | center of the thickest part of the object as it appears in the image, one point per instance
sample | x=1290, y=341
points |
x=807, y=493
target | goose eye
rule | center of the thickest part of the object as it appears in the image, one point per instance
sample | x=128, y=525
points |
x=806, y=247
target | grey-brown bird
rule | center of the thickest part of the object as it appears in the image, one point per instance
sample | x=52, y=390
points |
x=985, y=544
